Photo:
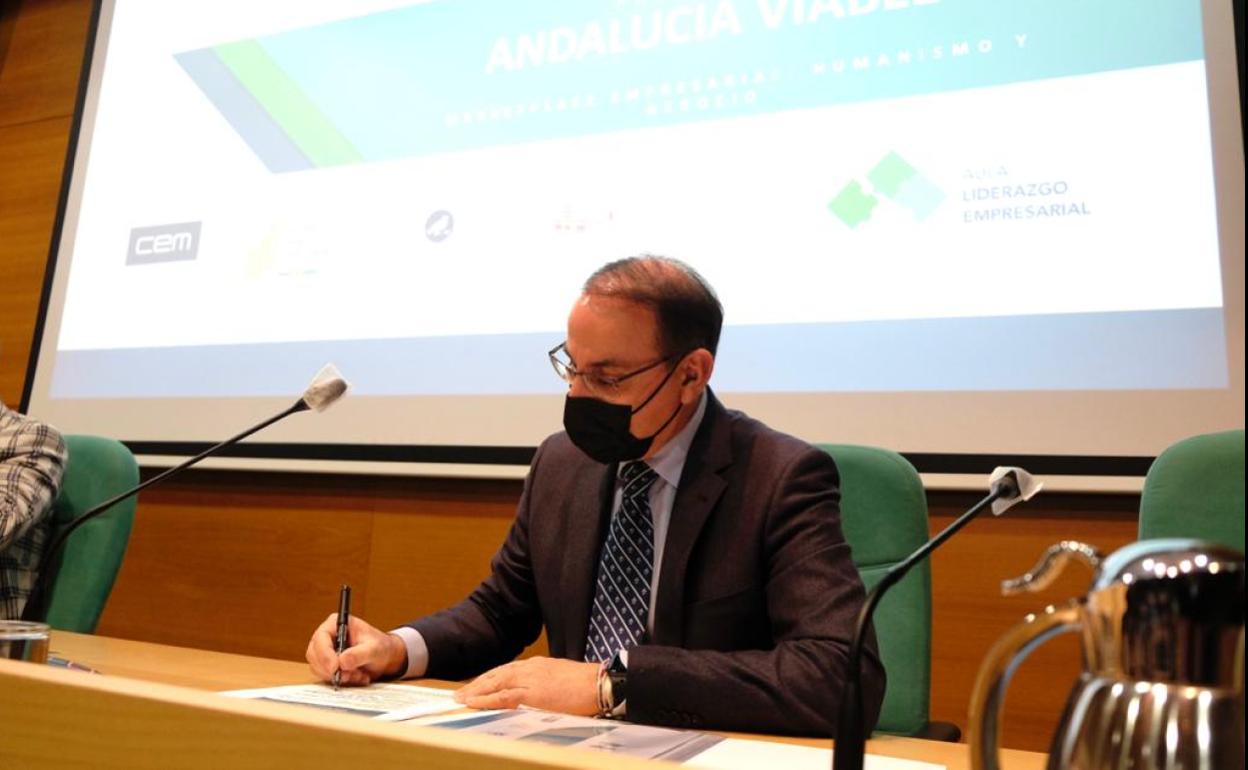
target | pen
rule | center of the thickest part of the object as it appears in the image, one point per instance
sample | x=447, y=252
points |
x=344, y=617
x=54, y=660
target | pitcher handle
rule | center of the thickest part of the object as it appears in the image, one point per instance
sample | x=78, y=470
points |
x=1051, y=563
x=995, y=673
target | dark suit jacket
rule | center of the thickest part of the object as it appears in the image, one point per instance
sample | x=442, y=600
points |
x=756, y=600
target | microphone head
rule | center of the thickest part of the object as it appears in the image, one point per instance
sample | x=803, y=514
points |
x=327, y=387
x=1013, y=485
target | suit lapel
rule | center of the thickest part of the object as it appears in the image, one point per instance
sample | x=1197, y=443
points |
x=701, y=485
x=588, y=515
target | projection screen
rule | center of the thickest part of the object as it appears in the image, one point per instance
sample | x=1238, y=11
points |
x=967, y=230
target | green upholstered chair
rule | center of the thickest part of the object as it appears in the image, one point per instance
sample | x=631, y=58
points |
x=1196, y=489
x=884, y=515
x=98, y=468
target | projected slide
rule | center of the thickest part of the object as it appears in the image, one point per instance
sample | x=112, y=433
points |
x=884, y=192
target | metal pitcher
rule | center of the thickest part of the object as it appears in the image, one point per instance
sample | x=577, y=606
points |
x=1162, y=632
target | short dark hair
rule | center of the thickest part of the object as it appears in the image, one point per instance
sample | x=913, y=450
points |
x=689, y=313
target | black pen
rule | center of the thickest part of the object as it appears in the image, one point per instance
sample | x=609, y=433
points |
x=344, y=617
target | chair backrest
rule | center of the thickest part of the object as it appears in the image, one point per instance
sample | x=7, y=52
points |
x=1196, y=489
x=884, y=515
x=98, y=468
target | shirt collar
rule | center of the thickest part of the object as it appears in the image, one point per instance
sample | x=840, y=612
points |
x=669, y=461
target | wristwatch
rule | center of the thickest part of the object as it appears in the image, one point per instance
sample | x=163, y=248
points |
x=617, y=679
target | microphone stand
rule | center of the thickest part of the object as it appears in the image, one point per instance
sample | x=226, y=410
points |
x=35, y=609
x=849, y=751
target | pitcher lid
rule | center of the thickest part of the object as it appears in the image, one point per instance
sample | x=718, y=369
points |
x=1166, y=559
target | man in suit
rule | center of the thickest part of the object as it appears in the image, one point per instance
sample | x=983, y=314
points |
x=708, y=585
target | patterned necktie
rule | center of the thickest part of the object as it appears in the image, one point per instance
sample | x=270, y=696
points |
x=622, y=596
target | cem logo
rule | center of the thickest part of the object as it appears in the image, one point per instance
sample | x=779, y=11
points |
x=163, y=243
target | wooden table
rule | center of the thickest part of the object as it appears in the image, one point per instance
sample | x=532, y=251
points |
x=150, y=709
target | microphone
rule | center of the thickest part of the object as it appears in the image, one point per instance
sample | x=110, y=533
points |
x=1008, y=487
x=326, y=387
x=1014, y=486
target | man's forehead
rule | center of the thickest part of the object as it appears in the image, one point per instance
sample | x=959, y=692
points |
x=603, y=331
x=635, y=346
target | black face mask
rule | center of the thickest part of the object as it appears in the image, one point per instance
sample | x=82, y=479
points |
x=601, y=429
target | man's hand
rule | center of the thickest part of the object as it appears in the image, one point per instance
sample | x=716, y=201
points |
x=371, y=654
x=553, y=684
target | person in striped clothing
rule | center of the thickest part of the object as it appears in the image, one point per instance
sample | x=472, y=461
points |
x=32, y=461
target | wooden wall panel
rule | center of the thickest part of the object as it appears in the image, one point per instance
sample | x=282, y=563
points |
x=39, y=79
x=38, y=84
x=226, y=566
x=252, y=562
x=969, y=613
x=427, y=561
x=8, y=17
x=31, y=156
x=424, y=562
x=280, y=545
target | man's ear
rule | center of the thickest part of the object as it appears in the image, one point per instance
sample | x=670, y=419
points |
x=695, y=373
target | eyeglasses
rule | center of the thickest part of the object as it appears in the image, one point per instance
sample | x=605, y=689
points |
x=595, y=382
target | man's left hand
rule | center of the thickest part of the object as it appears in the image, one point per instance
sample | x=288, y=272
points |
x=553, y=684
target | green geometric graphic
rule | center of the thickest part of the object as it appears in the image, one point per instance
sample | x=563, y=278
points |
x=290, y=107
x=853, y=206
x=895, y=179
x=889, y=174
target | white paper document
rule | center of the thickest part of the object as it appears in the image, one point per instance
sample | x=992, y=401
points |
x=583, y=732
x=388, y=702
x=740, y=754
